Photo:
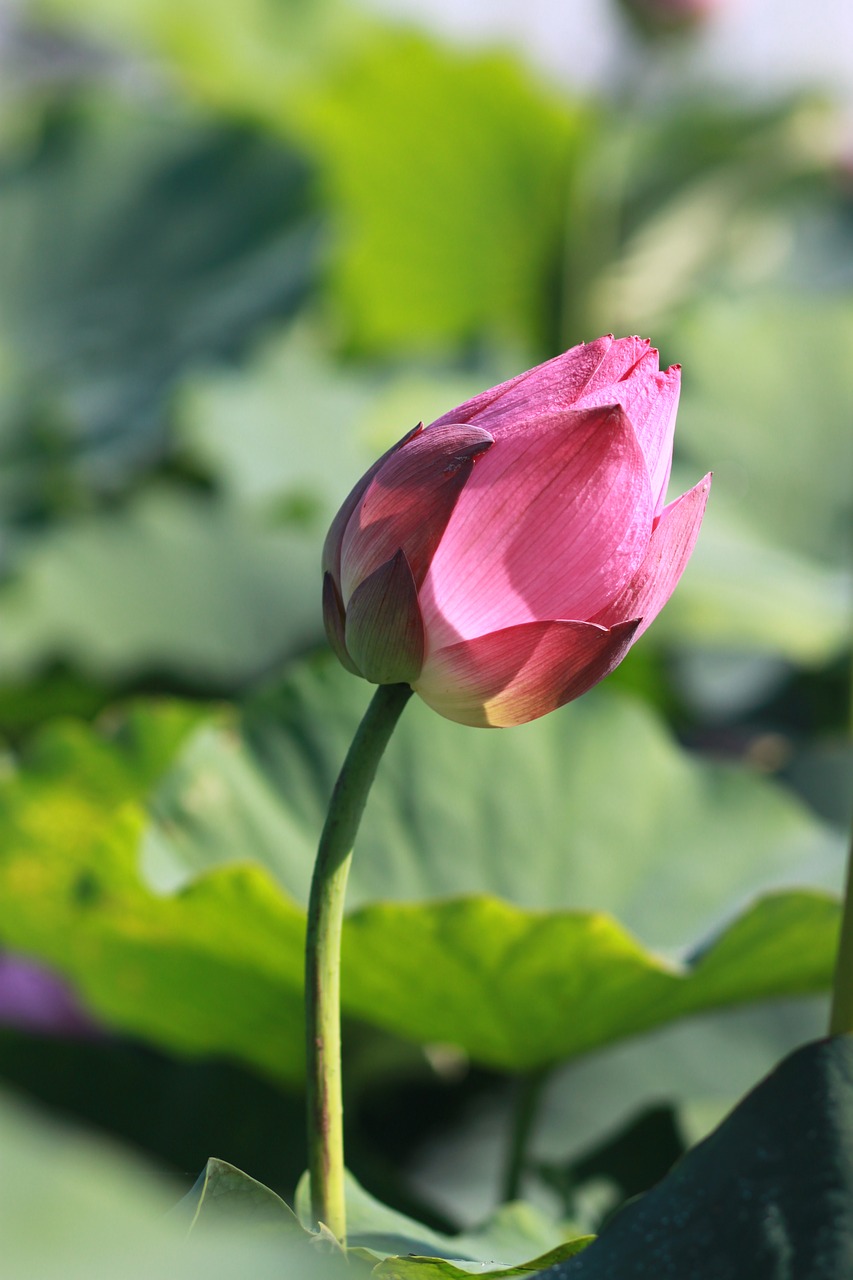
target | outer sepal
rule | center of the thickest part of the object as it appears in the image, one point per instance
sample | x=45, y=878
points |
x=384, y=628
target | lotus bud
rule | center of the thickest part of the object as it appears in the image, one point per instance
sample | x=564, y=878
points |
x=504, y=559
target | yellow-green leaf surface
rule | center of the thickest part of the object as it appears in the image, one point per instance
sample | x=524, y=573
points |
x=417, y=1268
x=213, y=969
x=177, y=931
x=517, y=1239
x=594, y=807
x=519, y=990
x=448, y=170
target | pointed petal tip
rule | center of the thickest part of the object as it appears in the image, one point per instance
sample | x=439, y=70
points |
x=669, y=550
x=475, y=442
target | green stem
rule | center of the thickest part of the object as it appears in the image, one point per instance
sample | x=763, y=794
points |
x=841, y=1013
x=526, y=1105
x=323, y=955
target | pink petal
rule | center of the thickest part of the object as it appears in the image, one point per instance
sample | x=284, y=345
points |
x=550, y=388
x=335, y=623
x=334, y=538
x=384, y=629
x=669, y=550
x=408, y=503
x=552, y=523
x=512, y=676
x=650, y=399
x=620, y=360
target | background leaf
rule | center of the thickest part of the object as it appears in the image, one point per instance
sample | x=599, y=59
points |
x=460, y=243
x=756, y=1174
x=215, y=969
x=171, y=587
x=675, y=820
x=224, y=1194
x=179, y=238
x=213, y=961
x=77, y=1208
x=777, y=424
x=521, y=990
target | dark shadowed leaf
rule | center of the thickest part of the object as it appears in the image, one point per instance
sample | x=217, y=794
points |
x=179, y=239
x=768, y=1196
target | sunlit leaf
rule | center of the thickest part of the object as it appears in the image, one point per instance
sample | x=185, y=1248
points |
x=518, y=1239
x=520, y=990
x=592, y=807
x=448, y=170
x=209, y=959
x=215, y=969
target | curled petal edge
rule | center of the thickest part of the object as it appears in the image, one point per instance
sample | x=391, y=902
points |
x=670, y=547
x=518, y=674
x=409, y=501
x=334, y=538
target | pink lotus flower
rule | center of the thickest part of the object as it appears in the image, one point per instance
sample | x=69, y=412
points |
x=505, y=558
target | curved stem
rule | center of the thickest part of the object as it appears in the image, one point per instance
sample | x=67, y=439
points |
x=841, y=1013
x=525, y=1108
x=323, y=955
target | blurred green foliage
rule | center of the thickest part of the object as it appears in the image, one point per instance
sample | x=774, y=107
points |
x=140, y=242
x=244, y=248
x=204, y=952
